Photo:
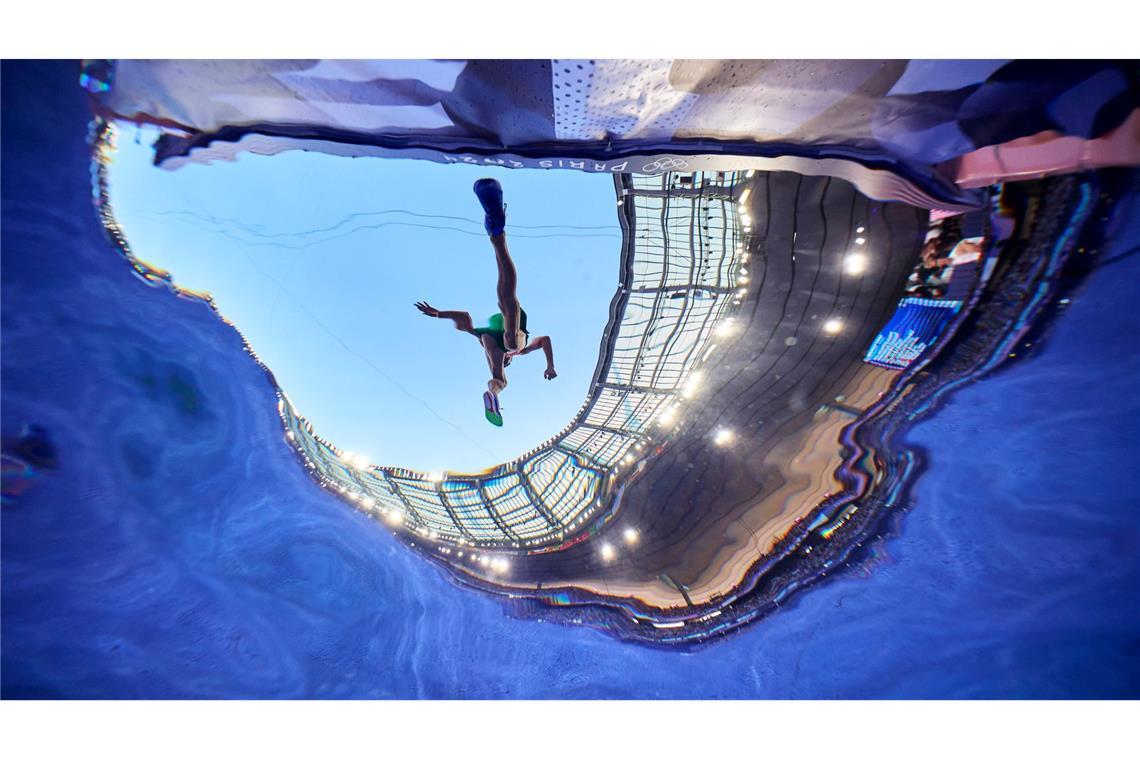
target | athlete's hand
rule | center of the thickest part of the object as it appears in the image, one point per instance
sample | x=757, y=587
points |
x=427, y=309
x=550, y=374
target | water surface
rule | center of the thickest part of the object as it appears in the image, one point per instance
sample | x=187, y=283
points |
x=180, y=551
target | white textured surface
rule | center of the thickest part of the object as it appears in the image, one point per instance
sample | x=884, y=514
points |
x=439, y=75
x=361, y=116
x=630, y=99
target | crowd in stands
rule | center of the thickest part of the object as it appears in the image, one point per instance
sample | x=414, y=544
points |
x=948, y=262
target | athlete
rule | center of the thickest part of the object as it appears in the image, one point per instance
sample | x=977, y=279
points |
x=506, y=335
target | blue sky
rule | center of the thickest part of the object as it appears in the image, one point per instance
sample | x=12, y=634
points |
x=319, y=259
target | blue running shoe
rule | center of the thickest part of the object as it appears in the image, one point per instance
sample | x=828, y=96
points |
x=490, y=195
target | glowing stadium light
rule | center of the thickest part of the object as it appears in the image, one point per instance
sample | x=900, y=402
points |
x=692, y=385
x=435, y=477
x=855, y=263
x=750, y=173
x=726, y=327
x=630, y=536
x=860, y=241
x=395, y=517
x=744, y=195
x=833, y=326
x=370, y=503
x=607, y=552
x=859, y=229
x=723, y=437
x=668, y=417
x=742, y=280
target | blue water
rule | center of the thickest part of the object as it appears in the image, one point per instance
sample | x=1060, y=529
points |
x=179, y=550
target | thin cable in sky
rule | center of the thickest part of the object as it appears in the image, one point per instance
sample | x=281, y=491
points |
x=360, y=356
x=299, y=246
x=258, y=229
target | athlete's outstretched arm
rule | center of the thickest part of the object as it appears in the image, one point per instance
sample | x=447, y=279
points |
x=461, y=319
x=543, y=342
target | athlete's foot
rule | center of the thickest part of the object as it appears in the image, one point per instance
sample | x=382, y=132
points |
x=490, y=195
x=491, y=409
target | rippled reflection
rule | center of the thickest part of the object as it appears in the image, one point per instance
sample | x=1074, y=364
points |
x=721, y=457
x=769, y=335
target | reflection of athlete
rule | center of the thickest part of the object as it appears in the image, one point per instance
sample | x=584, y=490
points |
x=505, y=335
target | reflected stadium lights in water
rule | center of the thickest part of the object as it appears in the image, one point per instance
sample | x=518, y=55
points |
x=833, y=326
x=692, y=385
x=723, y=437
x=855, y=263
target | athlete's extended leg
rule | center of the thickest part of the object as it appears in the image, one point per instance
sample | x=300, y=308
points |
x=490, y=194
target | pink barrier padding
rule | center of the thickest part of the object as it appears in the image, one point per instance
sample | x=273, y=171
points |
x=1048, y=153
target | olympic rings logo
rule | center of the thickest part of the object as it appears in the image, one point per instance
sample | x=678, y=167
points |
x=665, y=165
